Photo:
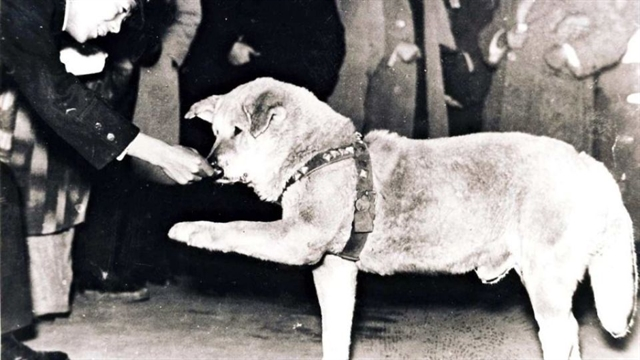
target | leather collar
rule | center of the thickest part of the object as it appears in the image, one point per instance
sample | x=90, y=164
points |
x=364, y=206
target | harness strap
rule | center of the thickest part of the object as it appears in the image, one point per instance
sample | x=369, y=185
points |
x=364, y=207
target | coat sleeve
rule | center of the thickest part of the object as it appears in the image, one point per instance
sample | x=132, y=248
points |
x=612, y=25
x=31, y=59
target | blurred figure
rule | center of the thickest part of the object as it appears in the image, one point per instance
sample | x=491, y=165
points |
x=466, y=76
x=16, y=289
x=383, y=84
x=99, y=267
x=114, y=248
x=51, y=125
x=152, y=208
x=175, y=23
x=296, y=41
x=618, y=108
x=546, y=54
x=364, y=30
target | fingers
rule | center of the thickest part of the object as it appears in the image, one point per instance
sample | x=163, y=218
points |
x=495, y=51
x=206, y=169
x=407, y=52
x=516, y=39
x=185, y=165
x=452, y=102
x=253, y=52
x=495, y=39
x=198, y=166
x=392, y=59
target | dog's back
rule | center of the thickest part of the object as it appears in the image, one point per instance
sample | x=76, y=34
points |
x=471, y=197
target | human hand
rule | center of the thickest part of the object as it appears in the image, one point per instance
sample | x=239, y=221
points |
x=450, y=101
x=183, y=165
x=241, y=53
x=633, y=99
x=555, y=58
x=516, y=38
x=496, y=51
x=564, y=58
x=405, y=51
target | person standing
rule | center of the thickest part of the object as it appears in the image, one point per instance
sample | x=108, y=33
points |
x=31, y=36
x=546, y=53
x=392, y=47
x=119, y=248
x=295, y=41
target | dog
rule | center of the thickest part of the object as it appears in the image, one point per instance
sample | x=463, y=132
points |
x=488, y=203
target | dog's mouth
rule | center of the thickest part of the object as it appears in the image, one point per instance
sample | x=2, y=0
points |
x=220, y=177
x=226, y=180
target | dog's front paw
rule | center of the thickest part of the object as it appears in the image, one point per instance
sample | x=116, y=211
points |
x=195, y=234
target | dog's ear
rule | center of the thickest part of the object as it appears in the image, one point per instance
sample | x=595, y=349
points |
x=266, y=107
x=203, y=109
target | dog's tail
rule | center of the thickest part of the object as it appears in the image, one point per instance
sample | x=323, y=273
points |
x=614, y=275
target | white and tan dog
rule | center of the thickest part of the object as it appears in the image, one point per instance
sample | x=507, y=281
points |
x=487, y=203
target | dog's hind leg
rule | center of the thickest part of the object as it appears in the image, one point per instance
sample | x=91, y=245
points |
x=551, y=298
x=335, y=281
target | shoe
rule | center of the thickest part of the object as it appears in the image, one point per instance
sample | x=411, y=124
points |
x=12, y=349
x=116, y=289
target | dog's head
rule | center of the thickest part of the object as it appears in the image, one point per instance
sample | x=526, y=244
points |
x=265, y=130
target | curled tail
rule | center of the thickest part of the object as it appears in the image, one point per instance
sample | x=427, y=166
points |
x=614, y=276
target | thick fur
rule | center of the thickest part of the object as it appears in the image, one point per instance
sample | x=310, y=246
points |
x=488, y=203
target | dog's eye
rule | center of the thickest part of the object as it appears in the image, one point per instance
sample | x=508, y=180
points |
x=236, y=131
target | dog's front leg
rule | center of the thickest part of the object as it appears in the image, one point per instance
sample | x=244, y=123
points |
x=286, y=242
x=335, y=280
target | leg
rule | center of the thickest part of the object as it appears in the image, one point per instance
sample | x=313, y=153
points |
x=50, y=272
x=102, y=258
x=551, y=298
x=284, y=241
x=335, y=280
x=15, y=295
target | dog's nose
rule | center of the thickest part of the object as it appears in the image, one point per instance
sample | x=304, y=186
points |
x=217, y=171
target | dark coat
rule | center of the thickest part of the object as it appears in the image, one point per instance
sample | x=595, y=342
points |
x=391, y=98
x=299, y=41
x=376, y=95
x=30, y=39
x=529, y=95
x=16, y=294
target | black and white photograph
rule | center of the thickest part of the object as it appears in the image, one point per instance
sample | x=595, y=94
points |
x=319, y=179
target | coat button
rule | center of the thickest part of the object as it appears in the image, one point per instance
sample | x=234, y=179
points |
x=98, y=126
x=111, y=137
x=400, y=24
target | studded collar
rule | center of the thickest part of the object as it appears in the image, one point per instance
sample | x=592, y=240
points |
x=364, y=207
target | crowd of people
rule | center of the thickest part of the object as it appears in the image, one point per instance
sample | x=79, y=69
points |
x=96, y=163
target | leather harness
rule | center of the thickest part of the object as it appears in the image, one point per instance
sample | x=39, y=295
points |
x=365, y=204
